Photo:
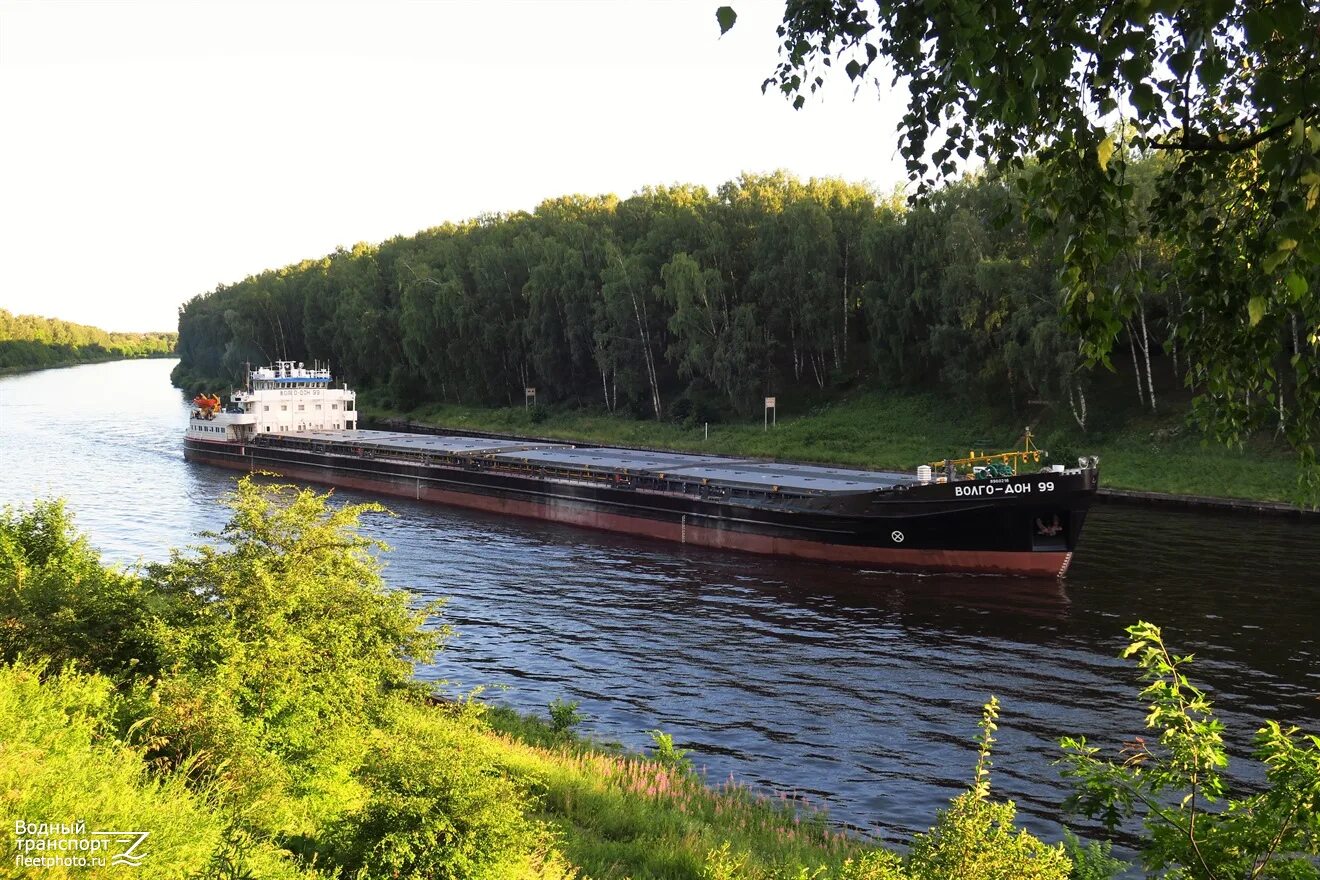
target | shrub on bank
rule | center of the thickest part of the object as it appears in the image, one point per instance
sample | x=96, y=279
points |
x=251, y=704
x=437, y=804
x=61, y=762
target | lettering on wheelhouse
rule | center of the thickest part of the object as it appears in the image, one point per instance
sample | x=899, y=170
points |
x=987, y=490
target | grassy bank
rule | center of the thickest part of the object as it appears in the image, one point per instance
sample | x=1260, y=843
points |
x=251, y=705
x=249, y=708
x=622, y=815
x=900, y=431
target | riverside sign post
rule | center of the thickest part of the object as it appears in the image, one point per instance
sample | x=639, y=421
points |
x=771, y=413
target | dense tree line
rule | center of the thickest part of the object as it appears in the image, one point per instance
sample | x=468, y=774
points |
x=680, y=302
x=28, y=341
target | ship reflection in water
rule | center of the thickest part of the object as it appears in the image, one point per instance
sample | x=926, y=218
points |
x=860, y=689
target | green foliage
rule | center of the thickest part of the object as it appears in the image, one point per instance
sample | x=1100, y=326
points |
x=564, y=715
x=975, y=839
x=61, y=761
x=271, y=728
x=674, y=294
x=438, y=805
x=726, y=18
x=874, y=865
x=723, y=864
x=682, y=304
x=1194, y=827
x=1093, y=860
x=1068, y=99
x=280, y=734
x=667, y=753
x=29, y=342
x=293, y=654
x=58, y=602
x=292, y=629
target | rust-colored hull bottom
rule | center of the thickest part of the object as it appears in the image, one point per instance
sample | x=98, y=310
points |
x=1051, y=564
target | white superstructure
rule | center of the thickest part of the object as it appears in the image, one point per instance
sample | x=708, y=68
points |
x=283, y=399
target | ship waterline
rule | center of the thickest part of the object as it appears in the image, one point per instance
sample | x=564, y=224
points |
x=703, y=529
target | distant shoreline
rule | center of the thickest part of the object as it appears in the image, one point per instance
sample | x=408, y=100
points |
x=35, y=368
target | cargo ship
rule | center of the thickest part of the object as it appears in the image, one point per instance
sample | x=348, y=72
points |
x=980, y=514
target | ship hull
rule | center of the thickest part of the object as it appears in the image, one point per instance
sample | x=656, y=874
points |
x=928, y=529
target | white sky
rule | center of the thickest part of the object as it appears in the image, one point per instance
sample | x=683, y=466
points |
x=151, y=150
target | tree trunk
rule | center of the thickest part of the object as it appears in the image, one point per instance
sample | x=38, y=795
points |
x=1283, y=424
x=646, y=354
x=1136, y=367
x=1079, y=416
x=1145, y=350
x=792, y=341
x=1173, y=337
x=845, y=301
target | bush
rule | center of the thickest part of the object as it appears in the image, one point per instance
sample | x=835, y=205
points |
x=293, y=624
x=564, y=715
x=1092, y=861
x=439, y=806
x=61, y=604
x=975, y=838
x=1175, y=785
x=61, y=762
x=667, y=753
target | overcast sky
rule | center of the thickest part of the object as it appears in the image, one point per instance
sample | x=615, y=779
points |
x=152, y=150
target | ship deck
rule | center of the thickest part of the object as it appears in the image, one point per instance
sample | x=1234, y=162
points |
x=743, y=473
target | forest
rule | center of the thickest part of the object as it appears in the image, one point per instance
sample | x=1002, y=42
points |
x=685, y=304
x=30, y=342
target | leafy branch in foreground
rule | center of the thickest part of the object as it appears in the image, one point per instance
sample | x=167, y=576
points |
x=1175, y=785
x=1223, y=92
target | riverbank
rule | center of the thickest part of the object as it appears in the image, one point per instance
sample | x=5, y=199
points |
x=900, y=431
x=200, y=717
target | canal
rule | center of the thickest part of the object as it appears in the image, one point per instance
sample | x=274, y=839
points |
x=859, y=690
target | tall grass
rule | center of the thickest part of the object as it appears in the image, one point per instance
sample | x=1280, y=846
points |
x=620, y=815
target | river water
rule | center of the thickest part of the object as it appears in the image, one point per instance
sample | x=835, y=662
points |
x=858, y=690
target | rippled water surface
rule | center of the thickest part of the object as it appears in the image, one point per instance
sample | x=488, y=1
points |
x=860, y=690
